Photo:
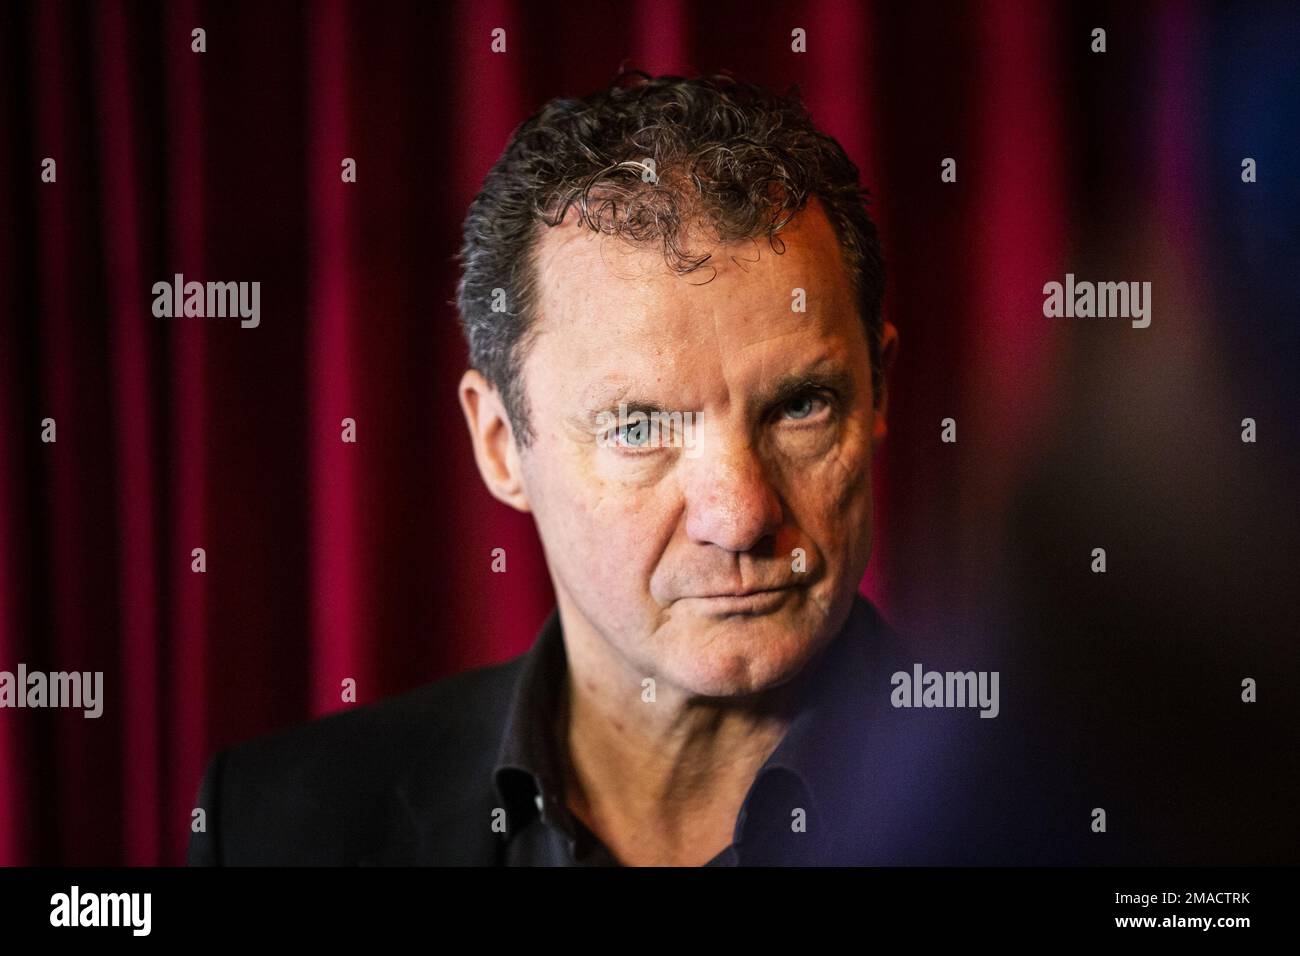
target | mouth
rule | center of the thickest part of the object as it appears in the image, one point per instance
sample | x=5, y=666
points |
x=750, y=602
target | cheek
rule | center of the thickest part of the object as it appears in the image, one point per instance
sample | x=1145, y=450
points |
x=832, y=503
x=603, y=537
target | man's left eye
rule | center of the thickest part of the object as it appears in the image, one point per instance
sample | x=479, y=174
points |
x=804, y=407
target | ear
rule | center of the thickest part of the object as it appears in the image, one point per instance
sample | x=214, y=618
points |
x=495, y=451
x=888, y=352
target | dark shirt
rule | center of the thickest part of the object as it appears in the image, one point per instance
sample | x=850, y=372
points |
x=771, y=828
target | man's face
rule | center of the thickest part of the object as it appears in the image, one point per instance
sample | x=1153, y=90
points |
x=724, y=566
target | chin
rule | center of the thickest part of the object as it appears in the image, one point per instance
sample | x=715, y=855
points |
x=736, y=654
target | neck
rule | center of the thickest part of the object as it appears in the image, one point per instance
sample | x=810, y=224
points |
x=662, y=782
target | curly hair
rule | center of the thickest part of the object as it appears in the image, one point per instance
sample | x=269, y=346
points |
x=644, y=160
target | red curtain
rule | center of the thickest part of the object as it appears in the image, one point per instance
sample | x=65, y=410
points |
x=328, y=560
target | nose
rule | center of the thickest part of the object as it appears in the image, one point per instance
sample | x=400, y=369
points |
x=730, y=502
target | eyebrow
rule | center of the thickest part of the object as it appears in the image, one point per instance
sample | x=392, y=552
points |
x=823, y=374
x=586, y=417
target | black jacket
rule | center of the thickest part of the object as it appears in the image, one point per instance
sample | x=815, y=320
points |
x=413, y=779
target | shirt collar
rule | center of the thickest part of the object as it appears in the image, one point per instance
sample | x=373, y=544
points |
x=836, y=681
x=526, y=772
x=527, y=765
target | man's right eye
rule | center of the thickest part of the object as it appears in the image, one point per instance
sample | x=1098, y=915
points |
x=632, y=436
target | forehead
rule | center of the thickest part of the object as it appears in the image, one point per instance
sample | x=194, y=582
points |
x=602, y=300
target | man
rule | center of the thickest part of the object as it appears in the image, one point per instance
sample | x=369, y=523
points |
x=672, y=296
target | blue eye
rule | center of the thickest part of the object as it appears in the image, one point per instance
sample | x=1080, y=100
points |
x=633, y=436
x=800, y=407
x=806, y=406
